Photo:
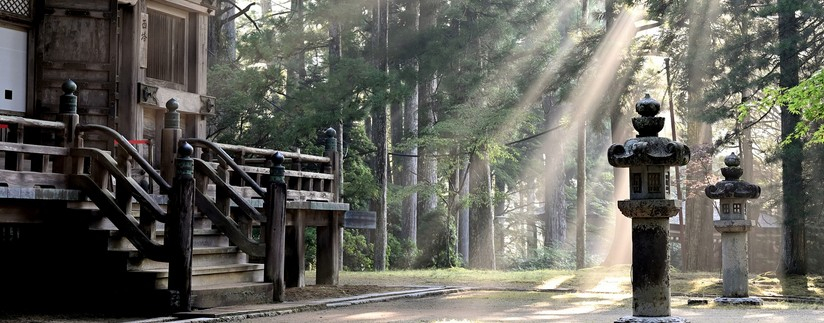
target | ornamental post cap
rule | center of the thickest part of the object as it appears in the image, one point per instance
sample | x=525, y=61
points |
x=647, y=106
x=331, y=132
x=732, y=172
x=277, y=159
x=732, y=160
x=69, y=87
x=185, y=150
x=648, y=125
x=172, y=105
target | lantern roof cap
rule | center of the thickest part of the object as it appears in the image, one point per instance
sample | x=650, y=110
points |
x=647, y=148
x=732, y=186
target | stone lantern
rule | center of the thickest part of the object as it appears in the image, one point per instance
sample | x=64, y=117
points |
x=649, y=159
x=733, y=194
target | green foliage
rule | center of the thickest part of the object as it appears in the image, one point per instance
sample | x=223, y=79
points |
x=542, y=258
x=357, y=252
x=310, y=239
x=805, y=99
x=437, y=234
x=401, y=253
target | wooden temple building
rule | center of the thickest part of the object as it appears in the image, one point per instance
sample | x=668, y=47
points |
x=102, y=125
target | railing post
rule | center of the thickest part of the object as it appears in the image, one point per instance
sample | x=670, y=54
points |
x=179, y=229
x=69, y=117
x=330, y=236
x=334, y=167
x=170, y=136
x=275, y=235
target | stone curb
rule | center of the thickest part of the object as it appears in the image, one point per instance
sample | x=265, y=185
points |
x=240, y=313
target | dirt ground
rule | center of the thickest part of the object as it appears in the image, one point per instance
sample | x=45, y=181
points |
x=313, y=292
x=527, y=306
x=310, y=292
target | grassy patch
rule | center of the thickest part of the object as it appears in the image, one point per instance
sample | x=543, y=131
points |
x=614, y=279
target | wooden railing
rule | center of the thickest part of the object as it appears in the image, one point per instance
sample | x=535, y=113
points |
x=105, y=178
x=31, y=165
x=302, y=185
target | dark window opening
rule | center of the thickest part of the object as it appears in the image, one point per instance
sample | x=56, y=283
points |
x=636, y=183
x=166, y=58
x=736, y=208
x=654, y=182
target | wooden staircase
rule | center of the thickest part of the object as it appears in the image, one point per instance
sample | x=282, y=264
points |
x=75, y=221
x=222, y=274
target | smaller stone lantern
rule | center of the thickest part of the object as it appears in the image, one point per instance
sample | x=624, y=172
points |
x=733, y=194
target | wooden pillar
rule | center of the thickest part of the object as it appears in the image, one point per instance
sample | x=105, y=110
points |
x=178, y=238
x=123, y=193
x=295, y=252
x=328, y=252
x=170, y=136
x=275, y=207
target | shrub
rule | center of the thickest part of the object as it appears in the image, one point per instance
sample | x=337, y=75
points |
x=357, y=252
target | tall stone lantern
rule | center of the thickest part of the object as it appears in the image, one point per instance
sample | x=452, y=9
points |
x=733, y=194
x=649, y=159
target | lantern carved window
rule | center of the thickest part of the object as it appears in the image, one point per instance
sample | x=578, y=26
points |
x=636, y=183
x=654, y=182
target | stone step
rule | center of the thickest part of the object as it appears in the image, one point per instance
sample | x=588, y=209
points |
x=205, y=276
x=201, y=238
x=201, y=257
x=103, y=223
x=232, y=294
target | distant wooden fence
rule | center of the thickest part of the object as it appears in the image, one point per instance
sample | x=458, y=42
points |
x=764, y=247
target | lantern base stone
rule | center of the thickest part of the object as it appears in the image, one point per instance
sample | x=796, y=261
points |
x=752, y=301
x=651, y=319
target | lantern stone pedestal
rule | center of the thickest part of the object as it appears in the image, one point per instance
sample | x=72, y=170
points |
x=649, y=158
x=732, y=194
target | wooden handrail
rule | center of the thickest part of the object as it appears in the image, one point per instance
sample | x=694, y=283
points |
x=127, y=182
x=201, y=167
x=26, y=122
x=124, y=222
x=228, y=160
x=228, y=226
x=124, y=143
x=269, y=152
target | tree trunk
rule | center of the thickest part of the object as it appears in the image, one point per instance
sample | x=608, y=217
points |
x=297, y=68
x=266, y=7
x=381, y=22
x=463, y=214
x=581, y=176
x=396, y=132
x=481, y=236
x=222, y=36
x=698, y=215
x=555, y=226
x=620, y=250
x=335, y=55
x=792, y=183
x=409, y=165
x=499, y=212
x=581, y=193
x=427, y=164
x=532, y=230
